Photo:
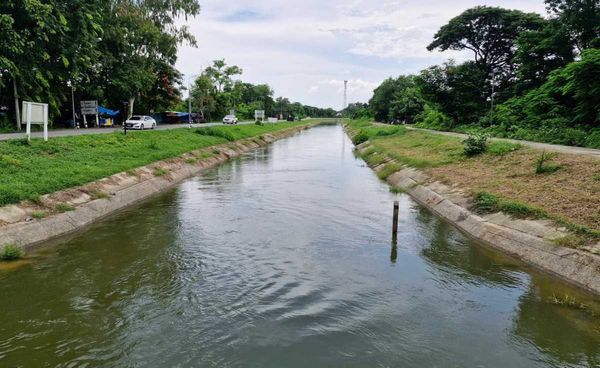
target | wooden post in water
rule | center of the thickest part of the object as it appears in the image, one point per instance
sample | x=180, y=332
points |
x=395, y=223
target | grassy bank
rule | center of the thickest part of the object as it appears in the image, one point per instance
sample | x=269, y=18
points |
x=505, y=177
x=29, y=170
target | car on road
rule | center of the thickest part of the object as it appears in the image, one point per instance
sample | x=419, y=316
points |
x=230, y=119
x=140, y=122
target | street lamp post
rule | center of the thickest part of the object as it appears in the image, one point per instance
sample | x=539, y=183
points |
x=70, y=84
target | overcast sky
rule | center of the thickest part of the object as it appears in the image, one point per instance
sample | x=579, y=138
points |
x=305, y=49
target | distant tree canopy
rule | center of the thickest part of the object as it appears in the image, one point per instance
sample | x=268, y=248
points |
x=119, y=52
x=215, y=92
x=530, y=77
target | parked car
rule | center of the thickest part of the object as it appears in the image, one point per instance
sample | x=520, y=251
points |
x=140, y=122
x=230, y=119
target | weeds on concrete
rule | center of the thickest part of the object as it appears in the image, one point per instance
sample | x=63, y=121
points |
x=159, y=171
x=38, y=215
x=388, y=169
x=64, y=207
x=11, y=252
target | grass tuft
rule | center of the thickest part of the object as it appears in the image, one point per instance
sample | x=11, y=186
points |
x=159, y=171
x=388, y=169
x=64, y=207
x=39, y=214
x=11, y=252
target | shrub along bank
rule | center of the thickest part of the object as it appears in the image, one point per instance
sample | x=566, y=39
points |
x=29, y=170
x=505, y=177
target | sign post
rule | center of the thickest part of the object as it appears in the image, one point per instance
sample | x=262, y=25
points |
x=89, y=108
x=35, y=113
x=259, y=115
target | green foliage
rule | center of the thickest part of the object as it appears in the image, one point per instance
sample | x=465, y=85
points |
x=397, y=99
x=39, y=214
x=360, y=137
x=387, y=170
x=64, y=207
x=11, y=252
x=433, y=119
x=489, y=203
x=475, y=144
x=159, y=171
x=490, y=33
x=501, y=148
x=542, y=165
x=458, y=91
x=220, y=132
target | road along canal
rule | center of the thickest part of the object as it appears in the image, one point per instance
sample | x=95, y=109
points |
x=283, y=257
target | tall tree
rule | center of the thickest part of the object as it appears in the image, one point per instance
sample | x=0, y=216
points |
x=221, y=74
x=581, y=18
x=490, y=33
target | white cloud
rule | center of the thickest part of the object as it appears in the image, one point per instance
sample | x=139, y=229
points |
x=305, y=50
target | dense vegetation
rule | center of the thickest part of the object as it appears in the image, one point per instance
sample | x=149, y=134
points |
x=530, y=78
x=215, y=92
x=119, y=52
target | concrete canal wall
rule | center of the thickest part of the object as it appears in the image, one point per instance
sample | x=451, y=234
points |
x=530, y=241
x=91, y=202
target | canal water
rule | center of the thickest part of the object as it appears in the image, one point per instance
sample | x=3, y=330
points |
x=282, y=258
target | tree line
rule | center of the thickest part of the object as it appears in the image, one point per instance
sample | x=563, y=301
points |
x=119, y=52
x=530, y=77
x=216, y=91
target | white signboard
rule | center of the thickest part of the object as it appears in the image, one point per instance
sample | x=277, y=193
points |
x=89, y=107
x=35, y=113
x=259, y=115
x=272, y=120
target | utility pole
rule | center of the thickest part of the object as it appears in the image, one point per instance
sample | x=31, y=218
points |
x=189, y=103
x=345, y=94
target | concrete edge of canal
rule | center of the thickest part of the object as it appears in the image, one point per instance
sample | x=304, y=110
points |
x=124, y=189
x=525, y=240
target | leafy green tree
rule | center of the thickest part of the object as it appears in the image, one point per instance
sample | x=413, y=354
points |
x=490, y=33
x=581, y=18
x=539, y=53
x=382, y=98
x=221, y=74
x=458, y=91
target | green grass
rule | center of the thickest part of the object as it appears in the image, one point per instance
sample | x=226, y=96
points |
x=64, y=207
x=11, y=252
x=387, y=170
x=159, y=171
x=489, y=203
x=39, y=214
x=29, y=171
x=501, y=148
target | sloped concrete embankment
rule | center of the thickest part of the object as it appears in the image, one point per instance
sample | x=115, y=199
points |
x=527, y=240
x=93, y=201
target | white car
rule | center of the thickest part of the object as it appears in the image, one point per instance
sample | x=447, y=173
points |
x=140, y=122
x=230, y=119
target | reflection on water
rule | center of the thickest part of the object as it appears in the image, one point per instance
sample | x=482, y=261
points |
x=283, y=258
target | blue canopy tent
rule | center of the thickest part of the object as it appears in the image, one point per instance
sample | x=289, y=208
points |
x=107, y=122
x=104, y=111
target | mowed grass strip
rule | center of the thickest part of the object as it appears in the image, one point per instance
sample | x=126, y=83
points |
x=28, y=171
x=570, y=194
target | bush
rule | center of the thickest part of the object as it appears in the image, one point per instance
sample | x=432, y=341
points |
x=475, y=144
x=433, y=119
x=11, y=252
x=542, y=166
x=360, y=137
x=258, y=122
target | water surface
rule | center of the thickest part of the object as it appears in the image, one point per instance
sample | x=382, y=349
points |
x=282, y=258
